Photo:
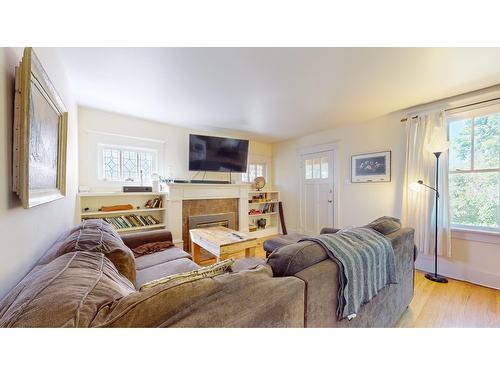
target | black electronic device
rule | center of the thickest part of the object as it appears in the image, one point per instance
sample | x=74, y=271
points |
x=217, y=154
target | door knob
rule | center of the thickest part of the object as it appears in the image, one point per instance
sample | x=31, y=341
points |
x=330, y=201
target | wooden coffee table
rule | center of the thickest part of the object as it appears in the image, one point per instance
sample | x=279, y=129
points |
x=221, y=242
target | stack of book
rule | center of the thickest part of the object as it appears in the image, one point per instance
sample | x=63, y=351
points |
x=268, y=207
x=154, y=203
x=131, y=221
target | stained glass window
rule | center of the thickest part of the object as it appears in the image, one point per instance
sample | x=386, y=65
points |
x=127, y=165
x=111, y=160
x=146, y=163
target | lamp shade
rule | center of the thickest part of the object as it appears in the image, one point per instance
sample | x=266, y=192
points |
x=438, y=142
x=441, y=146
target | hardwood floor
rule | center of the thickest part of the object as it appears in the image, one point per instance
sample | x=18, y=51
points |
x=456, y=304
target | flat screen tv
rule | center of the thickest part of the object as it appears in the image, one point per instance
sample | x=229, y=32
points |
x=217, y=154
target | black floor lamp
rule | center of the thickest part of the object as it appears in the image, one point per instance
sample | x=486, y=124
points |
x=437, y=148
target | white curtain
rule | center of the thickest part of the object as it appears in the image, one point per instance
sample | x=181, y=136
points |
x=419, y=207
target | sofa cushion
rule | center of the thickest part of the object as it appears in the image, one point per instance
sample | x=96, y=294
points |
x=209, y=271
x=247, y=263
x=293, y=258
x=165, y=269
x=96, y=235
x=67, y=292
x=250, y=298
x=160, y=257
x=279, y=241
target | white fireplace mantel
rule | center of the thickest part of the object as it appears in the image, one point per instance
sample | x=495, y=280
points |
x=177, y=193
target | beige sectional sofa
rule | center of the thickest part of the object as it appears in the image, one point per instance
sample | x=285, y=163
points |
x=91, y=278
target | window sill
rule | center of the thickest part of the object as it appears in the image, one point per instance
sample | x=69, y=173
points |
x=475, y=235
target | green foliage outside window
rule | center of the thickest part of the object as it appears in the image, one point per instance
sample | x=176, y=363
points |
x=474, y=181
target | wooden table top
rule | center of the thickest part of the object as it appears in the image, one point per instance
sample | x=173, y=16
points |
x=220, y=236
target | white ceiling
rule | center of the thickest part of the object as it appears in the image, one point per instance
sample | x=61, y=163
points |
x=273, y=93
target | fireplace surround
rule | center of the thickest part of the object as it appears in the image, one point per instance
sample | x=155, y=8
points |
x=190, y=200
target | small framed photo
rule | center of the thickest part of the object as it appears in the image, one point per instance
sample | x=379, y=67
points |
x=374, y=167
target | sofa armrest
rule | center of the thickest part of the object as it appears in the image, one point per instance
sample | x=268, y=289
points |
x=291, y=259
x=133, y=240
x=328, y=230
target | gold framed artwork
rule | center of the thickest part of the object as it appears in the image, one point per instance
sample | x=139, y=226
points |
x=40, y=135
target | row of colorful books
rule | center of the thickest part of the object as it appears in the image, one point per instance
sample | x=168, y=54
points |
x=268, y=207
x=131, y=221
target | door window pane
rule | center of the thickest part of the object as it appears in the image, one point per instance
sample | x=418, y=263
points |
x=317, y=168
x=309, y=173
x=324, y=167
x=486, y=142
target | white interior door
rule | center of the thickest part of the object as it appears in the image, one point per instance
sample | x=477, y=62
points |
x=317, y=203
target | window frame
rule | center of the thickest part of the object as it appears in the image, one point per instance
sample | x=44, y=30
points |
x=321, y=164
x=264, y=169
x=472, y=114
x=121, y=148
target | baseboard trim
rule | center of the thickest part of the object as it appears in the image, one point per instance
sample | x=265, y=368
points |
x=458, y=270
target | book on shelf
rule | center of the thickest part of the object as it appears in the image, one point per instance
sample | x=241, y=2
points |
x=154, y=203
x=265, y=209
x=130, y=221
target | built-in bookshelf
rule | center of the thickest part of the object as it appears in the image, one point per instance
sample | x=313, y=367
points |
x=147, y=210
x=263, y=206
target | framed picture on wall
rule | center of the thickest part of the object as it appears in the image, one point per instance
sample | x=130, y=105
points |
x=374, y=167
x=40, y=135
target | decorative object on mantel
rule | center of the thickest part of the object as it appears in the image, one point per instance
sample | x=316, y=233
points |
x=437, y=147
x=40, y=135
x=375, y=167
x=259, y=183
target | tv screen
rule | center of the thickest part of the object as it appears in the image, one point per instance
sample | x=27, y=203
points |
x=217, y=154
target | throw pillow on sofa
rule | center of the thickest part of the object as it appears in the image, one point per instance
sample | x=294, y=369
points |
x=216, y=269
x=385, y=225
x=152, y=247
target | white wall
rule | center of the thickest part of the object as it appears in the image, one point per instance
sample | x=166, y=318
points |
x=27, y=233
x=357, y=204
x=176, y=141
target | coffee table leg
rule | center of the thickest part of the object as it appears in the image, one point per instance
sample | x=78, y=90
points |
x=195, y=252
x=250, y=252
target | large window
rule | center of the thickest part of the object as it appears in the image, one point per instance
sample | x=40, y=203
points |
x=474, y=164
x=127, y=165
